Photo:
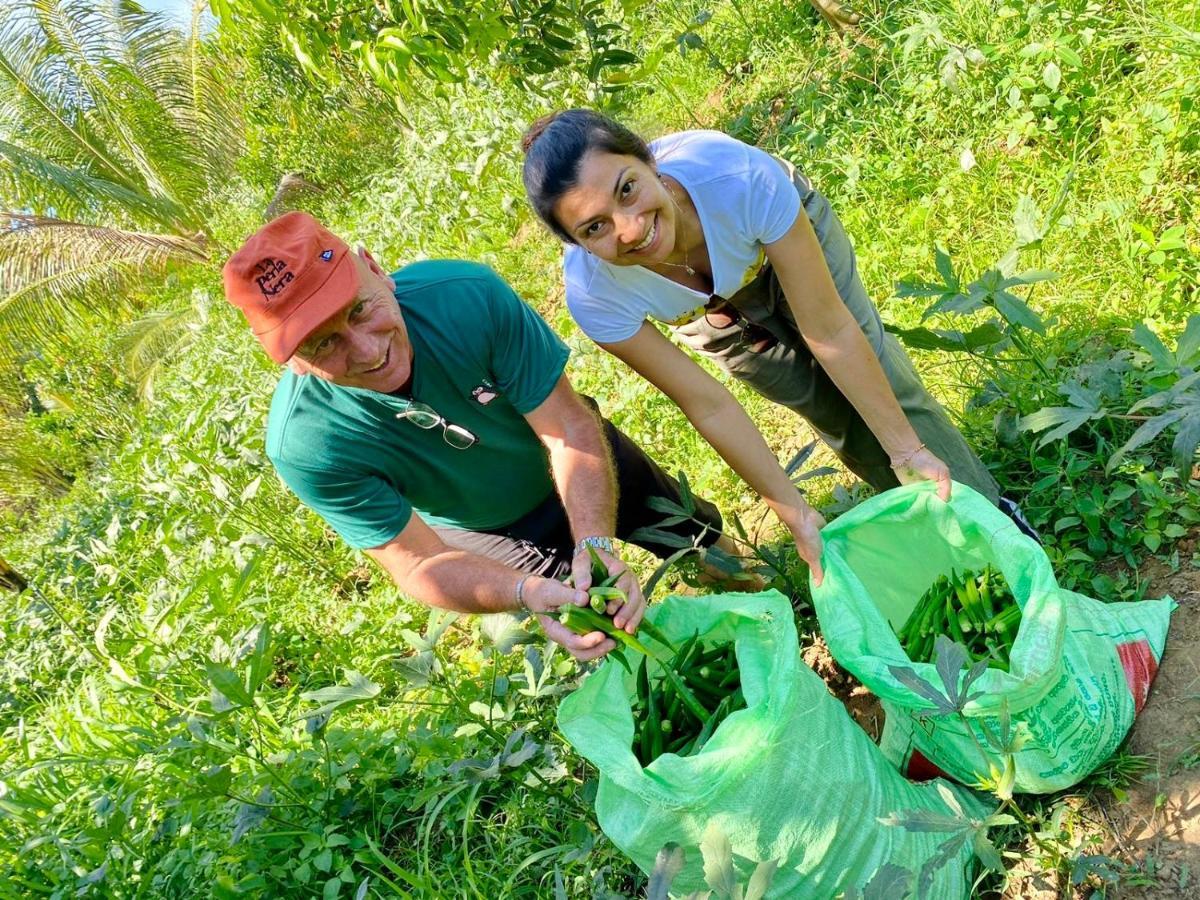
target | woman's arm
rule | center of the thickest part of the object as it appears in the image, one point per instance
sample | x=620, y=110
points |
x=723, y=422
x=839, y=345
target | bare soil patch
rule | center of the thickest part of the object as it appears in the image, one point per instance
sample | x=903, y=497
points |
x=862, y=705
x=1157, y=827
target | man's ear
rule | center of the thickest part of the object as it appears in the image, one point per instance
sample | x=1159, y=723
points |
x=365, y=255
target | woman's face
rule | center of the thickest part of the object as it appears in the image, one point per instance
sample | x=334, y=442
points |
x=619, y=211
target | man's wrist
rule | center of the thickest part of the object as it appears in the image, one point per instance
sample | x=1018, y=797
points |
x=522, y=599
x=598, y=541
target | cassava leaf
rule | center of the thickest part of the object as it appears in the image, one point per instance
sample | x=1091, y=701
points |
x=718, y=860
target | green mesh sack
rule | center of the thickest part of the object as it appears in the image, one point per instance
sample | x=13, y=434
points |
x=789, y=778
x=1079, y=669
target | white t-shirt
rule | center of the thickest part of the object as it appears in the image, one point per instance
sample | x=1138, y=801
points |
x=744, y=198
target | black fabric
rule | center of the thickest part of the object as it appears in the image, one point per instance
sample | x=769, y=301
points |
x=540, y=542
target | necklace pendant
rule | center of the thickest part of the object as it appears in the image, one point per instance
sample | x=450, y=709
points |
x=689, y=270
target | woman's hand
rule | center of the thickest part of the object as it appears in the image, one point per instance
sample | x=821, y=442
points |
x=924, y=466
x=805, y=524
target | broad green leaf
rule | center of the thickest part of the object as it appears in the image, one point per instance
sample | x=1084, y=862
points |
x=924, y=821
x=945, y=268
x=227, y=682
x=1058, y=421
x=664, y=505
x=251, y=815
x=1148, y=431
x=261, y=660
x=1187, y=439
x=987, y=852
x=1052, y=75
x=919, y=289
x=216, y=779
x=1187, y=351
x=1033, y=276
x=685, y=493
x=801, y=457
x=1163, y=358
x=101, y=633
x=718, y=558
x=357, y=689
x=1027, y=221
x=718, y=860
x=960, y=304
x=504, y=631
x=1017, y=312
x=658, y=536
x=915, y=682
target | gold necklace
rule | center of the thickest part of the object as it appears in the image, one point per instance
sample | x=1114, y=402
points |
x=686, y=265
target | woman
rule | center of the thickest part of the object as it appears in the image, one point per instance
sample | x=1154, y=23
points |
x=750, y=267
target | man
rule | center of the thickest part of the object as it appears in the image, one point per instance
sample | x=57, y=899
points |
x=426, y=417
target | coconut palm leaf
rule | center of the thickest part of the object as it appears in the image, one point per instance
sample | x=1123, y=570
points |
x=152, y=340
x=48, y=264
x=116, y=133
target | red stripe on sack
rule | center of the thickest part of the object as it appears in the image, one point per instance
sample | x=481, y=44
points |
x=921, y=769
x=1140, y=667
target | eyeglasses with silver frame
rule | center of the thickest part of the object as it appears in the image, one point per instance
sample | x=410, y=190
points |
x=425, y=416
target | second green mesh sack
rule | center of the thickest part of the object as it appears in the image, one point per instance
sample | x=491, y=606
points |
x=1079, y=669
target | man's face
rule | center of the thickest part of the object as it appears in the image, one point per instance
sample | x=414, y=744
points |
x=365, y=343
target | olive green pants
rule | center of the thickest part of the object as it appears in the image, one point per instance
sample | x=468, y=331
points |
x=786, y=372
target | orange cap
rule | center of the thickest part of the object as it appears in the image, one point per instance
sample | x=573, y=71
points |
x=289, y=277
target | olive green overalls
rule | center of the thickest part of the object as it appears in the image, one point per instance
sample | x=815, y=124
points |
x=763, y=347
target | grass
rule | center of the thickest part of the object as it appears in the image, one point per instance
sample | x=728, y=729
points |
x=125, y=771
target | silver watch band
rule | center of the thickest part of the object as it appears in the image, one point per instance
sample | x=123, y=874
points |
x=598, y=541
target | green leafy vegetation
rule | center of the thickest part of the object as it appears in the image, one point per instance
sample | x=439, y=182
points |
x=205, y=693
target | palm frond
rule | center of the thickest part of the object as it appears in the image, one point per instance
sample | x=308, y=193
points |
x=33, y=100
x=35, y=182
x=113, y=93
x=48, y=265
x=108, y=52
x=151, y=342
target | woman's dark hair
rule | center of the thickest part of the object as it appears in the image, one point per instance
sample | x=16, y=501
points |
x=554, y=147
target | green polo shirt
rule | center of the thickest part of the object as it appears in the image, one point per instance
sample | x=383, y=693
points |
x=482, y=359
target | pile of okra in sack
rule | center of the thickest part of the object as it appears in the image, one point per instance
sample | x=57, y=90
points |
x=677, y=711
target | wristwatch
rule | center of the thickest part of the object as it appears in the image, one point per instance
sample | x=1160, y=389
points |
x=597, y=541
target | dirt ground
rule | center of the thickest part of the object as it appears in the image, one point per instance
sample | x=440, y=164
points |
x=862, y=705
x=1158, y=826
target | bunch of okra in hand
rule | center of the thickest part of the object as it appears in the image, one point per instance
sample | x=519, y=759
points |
x=976, y=610
x=678, y=708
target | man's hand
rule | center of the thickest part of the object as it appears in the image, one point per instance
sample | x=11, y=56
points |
x=583, y=647
x=627, y=615
x=543, y=596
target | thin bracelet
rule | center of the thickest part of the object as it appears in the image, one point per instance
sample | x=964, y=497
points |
x=907, y=457
x=520, y=594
